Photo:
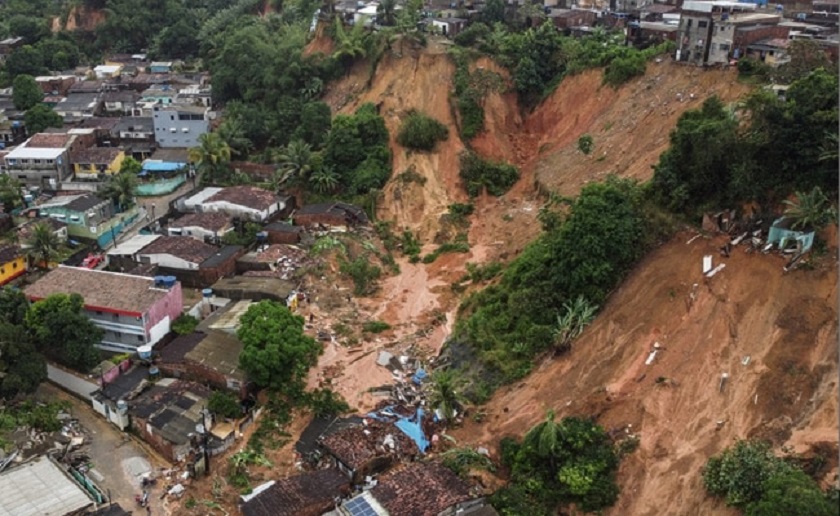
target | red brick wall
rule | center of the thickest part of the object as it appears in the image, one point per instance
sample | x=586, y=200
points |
x=575, y=19
x=743, y=39
x=313, y=219
x=283, y=237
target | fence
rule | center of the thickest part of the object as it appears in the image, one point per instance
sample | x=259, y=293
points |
x=161, y=187
x=71, y=382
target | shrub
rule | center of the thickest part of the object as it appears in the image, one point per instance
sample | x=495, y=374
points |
x=479, y=174
x=184, y=324
x=326, y=403
x=421, y=132
x=375, y=327
x=363, y=273
x=224, y=404
x=740, y=472
x=458, y=212
x=585, y=144
x=622, y=69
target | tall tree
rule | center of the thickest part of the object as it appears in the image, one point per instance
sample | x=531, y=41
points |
x=39, y=117
x=276, y=353
x=386, y=12
x=22, y=368
x=10, y=193
x=26, y=92
x=62, y=331
x=43, y=245
x=445, y=396
x=211, y=156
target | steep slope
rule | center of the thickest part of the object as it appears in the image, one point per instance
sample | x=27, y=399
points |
x=786, y=392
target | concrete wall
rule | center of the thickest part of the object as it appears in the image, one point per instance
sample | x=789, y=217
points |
x=71, y=382
x=173, y=131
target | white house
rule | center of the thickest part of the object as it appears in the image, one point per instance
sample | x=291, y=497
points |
x=243, y=202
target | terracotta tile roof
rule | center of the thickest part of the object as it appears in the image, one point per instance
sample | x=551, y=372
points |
x=100, y=289
x=186, y=248
x=301, y=495
x=356, y=446
x=8, y=253
x=250, y=196
x=421, y=489
x=211, y=221
x=95, y=156
x=25, y=231
x=49, y=140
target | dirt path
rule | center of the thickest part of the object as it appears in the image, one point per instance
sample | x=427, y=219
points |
x=116, y=457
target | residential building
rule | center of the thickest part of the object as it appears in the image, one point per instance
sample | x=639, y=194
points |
x=359, y=451
x=772, y=51
x=418, y=488
x=238, y=288
x=210, y=357
x=283, y=233
x=42, y=486
x=12, y=263
x=107, y=71
x=86, y=215
x=714, y=32
x=568, y=18
x=125, y=255
x=96, y=162
x=450, y=26
x=194, y=96
x=120, y=102
x=104, y=130
x=180, y=126
x=111, y=399
x=168, y=417
x=241, y=202
x=309, y=494
x=334, y=215
x=133, y=311
x=56, y=84
x=207, y=227
x=79, y=105
x=193, y=262
x=8, y=45
x=41, y=161
x=12, y=132
x=136, y=135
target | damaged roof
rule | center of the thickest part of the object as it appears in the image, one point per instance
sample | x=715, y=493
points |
x=175, y=351
x=301, y=495
x=211, y=221
x=357, y=445
x=245, y=195
x=218, y=351
x=49, y=141
x=421, y=489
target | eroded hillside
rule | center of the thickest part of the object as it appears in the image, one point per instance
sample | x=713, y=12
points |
x=785, y=323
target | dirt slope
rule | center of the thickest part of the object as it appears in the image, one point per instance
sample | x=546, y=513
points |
x=787, y=392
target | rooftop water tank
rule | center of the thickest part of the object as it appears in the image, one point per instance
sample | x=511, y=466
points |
x=207, y=293
x=122, y=407
x=144, y=352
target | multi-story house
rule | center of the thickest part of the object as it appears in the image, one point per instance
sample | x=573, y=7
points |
x=41, y=161
x=133, y=311
x=180, y=126
x=96, y=162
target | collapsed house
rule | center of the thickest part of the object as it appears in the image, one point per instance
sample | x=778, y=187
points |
x=310, y=494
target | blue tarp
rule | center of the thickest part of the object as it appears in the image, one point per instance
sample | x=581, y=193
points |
x=419, y=376
x=163, y=166
x=413, y=427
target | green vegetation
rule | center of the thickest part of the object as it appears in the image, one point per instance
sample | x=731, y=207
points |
x=40, y=117
x=363, y=273
x=62, y=332
x=410, y=246
x=375, y=326
x=326, y=403
x=471, y=87
x=120, y=189
x=810, y=210
x=276, y=353
x=585, y=144
x=585, y=256
x=556, y=464
x=576, y=316
x=357, y=147
x=184, y=324
x=224, y=404
x=459, y=212
x=779, y=146
x=479, y=174
x=750, y=477
x=462, y=460
x=421, y=132
x=26, y=92
x=483, y=272
x=460, y=245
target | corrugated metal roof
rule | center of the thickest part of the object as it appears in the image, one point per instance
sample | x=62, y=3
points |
x=40, y=488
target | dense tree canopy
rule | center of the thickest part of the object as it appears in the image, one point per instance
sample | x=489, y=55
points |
x=62, y=332
x=22, y=368
x=276, y=353
x=26, y=92
x=40, y=117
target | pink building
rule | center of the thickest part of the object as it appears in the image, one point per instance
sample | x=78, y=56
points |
x=133, y=311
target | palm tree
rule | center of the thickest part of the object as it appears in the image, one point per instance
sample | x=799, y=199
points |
x=829, y=149
x=312, y=88
x=43, y=245
x=324, y=180
x=386, y=12
x=211, y=156
x=578, y=314
x=349, y=45
x=544, y=438
x=232, y=133
x=120, y=188
x=810, y=210
x=294, y=162
x=444, y=396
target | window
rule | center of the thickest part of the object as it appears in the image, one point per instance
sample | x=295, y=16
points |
x=2, y=270
x=724, y=47
x=702, y=24
x=116, y=317
x=14, y=265
x=98, y=312
x=171, y=117
x=36, y=161
x=140, y=338
x=185, y=130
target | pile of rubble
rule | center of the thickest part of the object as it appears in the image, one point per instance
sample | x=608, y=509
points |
x=283, y=261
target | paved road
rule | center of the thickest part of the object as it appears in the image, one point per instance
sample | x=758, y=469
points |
x=118, y=461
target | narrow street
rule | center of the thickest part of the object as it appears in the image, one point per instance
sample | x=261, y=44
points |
x=118, y=461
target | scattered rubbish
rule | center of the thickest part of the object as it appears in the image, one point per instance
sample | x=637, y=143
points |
x=715, y=270
x=737, y=240
x=692, y=239
x=755, y=400
x=650, y=357
x=483, y=451
x=723, y=378
x=384, y=358
x=177, y=490
x=745, y=360
x=707, y=263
